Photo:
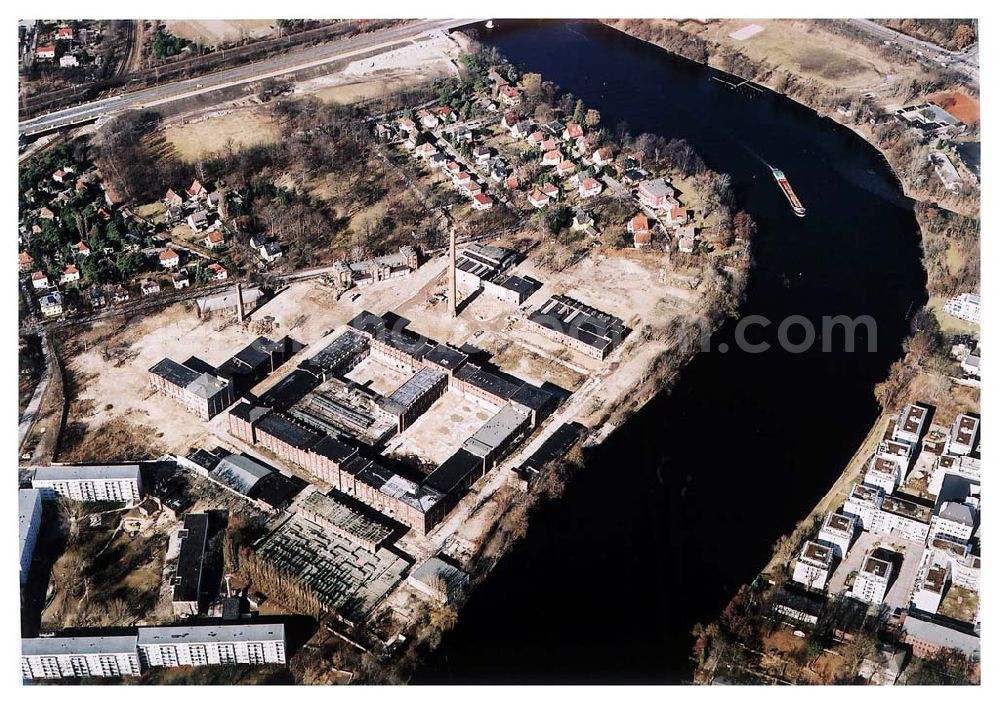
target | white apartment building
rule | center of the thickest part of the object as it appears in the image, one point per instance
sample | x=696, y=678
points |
x=79, y=657
x=910, y=425
x=872, y=581
x=838, y=532
x=963, y=466
x=863, y=502
x=884, y=473
x=812, y=568
x=931, y=583
x=29, y=520
x=203, y=645
x=964, y=306
x=964, y=433
x=90, y=483
x=903, y=519
x=954, y=521
x=964, y=566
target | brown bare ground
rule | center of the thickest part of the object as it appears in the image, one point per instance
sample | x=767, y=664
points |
x=961, y=106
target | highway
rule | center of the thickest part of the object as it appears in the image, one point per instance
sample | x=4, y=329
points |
x=268, y=68
x=965, y=62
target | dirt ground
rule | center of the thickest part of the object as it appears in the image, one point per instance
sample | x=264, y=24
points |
x=959, y=105
x=199, y=136
x=389, y=72
x=441, y=430
x=811, y=52
x=212, y=32
x=111, y=391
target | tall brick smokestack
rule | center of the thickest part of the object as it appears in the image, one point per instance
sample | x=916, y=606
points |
x=239, y=301
x=452, y=284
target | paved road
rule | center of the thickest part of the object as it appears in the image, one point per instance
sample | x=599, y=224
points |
x=276, y=66
x=965, y=62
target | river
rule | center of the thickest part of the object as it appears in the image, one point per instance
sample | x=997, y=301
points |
x=683, y=503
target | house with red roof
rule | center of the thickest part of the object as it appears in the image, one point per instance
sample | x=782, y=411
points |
x=218, y=272
x=25, y=261
x=509, y=95
x=565, y=168
x=639, y=227
x=46, y=52
x=214, y=239
x=197, y=190
x=603, y=156
x=677, y=215
x=573, y=131
x=70, y=274
x=81, y=248
x=536, y=138
x=590, y=187
x=173, y=199
x=169, y=259
x=482, y=202
x=39, y=280
x=550, y=190
x=64, y=33
x=552, y=158
x=537, y=199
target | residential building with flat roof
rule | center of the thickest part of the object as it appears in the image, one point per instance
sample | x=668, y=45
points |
x=89, y=483
x=190, y=645
x=29, y=521
x=872, y=581
x=813, y=566
x=911, y=423
x=838, y=532
x=954, y=521
x=964, y=435
x=79, y=657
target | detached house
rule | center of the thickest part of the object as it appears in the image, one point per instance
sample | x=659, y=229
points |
x=550, y=190
x=81, y=248
x=573, y=131
x=565, y=168
x=426, y=150
x=655, y=193
x=677, y=215
x=552, y=158
x=537, y=199
x=590, y=187
x=25, y=261
x=70, y=274
x=46, y=213
x=482, y=202
x=149, y=287
x=218, y=273
x=270, y=252
x=536, y=138
x=39, y=280
x=181, y=279
x=509, y=95
x=406, y=125
x=173, y=199
x=197, y=191
x=215, y=239
x=169, y=259
x=603, y=156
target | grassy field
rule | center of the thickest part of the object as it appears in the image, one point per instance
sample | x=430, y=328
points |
x=810, y=52
x=198, y=138
x=212, y=32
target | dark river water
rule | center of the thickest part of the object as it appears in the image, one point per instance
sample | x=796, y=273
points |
x=683, y=503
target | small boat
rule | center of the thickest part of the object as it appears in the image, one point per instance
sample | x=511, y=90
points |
x=786, y=188
x=489, y=24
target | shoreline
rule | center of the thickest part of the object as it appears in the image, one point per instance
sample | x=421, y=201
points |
x=906, y=188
